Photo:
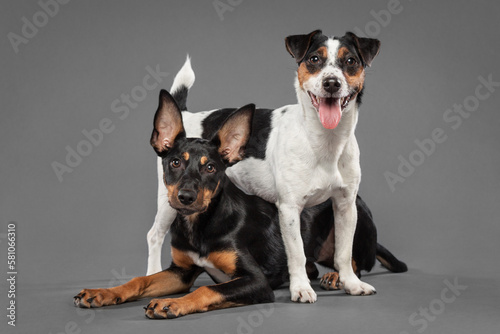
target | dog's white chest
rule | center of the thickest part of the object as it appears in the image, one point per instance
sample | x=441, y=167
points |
x=217, y=274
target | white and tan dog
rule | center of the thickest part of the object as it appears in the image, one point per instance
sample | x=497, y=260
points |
x=299, y=155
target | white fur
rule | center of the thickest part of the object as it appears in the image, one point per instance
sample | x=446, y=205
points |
x=185, y=77
x=305, y=165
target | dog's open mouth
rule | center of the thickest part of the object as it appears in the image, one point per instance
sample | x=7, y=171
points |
x=330, y=109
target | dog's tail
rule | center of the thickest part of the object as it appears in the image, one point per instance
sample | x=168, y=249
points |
x=183, y=80
x=390, y=261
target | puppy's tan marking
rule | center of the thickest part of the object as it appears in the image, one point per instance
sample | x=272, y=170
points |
x=224, y=260
x=181, y=259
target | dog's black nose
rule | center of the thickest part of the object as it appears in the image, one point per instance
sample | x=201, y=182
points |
x=186, y=196
x=331, y=85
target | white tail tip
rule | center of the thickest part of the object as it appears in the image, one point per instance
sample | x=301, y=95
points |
x=185, y=77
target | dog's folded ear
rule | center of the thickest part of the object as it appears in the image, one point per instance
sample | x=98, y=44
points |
x=234, y=134
x=368, y=48
x=297, y=45
x=167, y=124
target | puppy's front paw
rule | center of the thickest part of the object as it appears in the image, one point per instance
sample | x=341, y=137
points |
x=88, y=298
x=302, y=293
x=357, y=288
x=169, y=308
x=331, y=281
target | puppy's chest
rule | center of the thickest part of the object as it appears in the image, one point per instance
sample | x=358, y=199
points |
x=220, y=265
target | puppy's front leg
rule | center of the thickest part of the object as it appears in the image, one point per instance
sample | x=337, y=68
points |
x=237, y=292
x=345, y=226
x=300, y=287
x=170, y=281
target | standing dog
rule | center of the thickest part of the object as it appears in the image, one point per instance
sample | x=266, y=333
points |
x=300, y=155
x=223, y=231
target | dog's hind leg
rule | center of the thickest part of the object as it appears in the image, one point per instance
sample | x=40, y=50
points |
x=164, y=218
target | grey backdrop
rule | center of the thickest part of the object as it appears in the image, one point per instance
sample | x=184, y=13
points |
x=69, y=68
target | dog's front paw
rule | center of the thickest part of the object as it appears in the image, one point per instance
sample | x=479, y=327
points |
x=302, y=293
x=96, y=298
x=169, y=308
x=331, y=281
x=355, y=287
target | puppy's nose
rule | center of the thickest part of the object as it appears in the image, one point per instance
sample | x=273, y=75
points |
x=186, y=196
x=331, y=85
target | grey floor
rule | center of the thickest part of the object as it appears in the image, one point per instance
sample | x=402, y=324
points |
x=413, y=302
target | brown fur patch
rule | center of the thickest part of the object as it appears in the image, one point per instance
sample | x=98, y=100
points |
x=354, y=266
x=185, y=155
x=330, y=281
x=342, y=52
x=172, y=191
x=354, y=79
x=304, y=73
x=181, y=259
x=357, y=80
x=203, y=160
x=224, y=260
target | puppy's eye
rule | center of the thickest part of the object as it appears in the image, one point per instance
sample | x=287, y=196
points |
x=314, y=60
x=211, y=168
x=176, y=163
x=351, y=61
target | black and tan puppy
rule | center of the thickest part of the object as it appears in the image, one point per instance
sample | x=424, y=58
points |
x=219, y=229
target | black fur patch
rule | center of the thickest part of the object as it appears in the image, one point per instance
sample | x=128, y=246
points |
x=180, y=96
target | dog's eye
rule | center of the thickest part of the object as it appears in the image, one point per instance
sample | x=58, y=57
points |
x=351, y=61
x=314, y=59
x=211, y=168
x=176, y=163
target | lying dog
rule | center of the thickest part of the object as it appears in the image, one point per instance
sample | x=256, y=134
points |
x=302, y=155
x=219, y=229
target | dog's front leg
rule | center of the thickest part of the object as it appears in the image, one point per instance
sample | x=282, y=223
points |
x=164, y=218
x=345, y=225
x=170, y=281
x=300, y=287
x=236, y=292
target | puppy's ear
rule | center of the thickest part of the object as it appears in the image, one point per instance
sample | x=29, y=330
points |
x=368, y=48
x=234, y=134
x=297, y=45
x=167, y=124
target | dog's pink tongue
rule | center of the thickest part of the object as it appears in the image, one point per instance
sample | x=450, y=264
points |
x=330, y=112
